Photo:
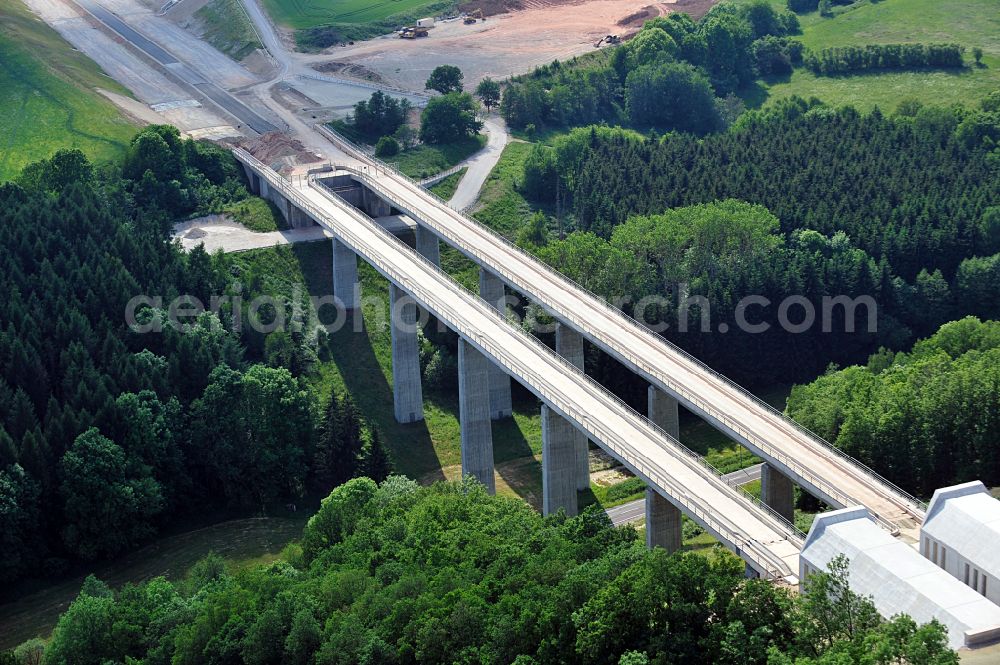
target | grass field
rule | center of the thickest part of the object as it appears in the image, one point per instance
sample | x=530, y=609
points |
x=970, y=23
x=309, y=13
x=47, y=97
x=322, y=23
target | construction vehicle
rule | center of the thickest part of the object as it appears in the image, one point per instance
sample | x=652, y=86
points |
x=471, y=17
x=608, y=39
x=410, y=32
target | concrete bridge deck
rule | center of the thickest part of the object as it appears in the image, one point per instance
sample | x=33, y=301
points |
x=769, y=545
x=798, y=454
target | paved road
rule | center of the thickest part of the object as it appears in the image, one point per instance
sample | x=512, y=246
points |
x=221, y=97
x=764, y=541
x=633, y=511
x=810, y=462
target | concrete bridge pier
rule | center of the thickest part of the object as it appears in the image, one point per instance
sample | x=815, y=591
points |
x=663, y=411
x=560, y=445
x=663, y=523
x=407, y=394
x=663, y=519
x=253, y=179
x=569, y=345
x=428, y=245
x=346, y=286
x=776, y=491
x=374, y=205
x=474, y=414
x=491, y=290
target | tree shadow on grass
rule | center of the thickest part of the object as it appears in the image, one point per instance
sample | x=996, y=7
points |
x=410, y=445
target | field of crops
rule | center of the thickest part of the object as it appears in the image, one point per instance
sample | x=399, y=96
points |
x=47, y=97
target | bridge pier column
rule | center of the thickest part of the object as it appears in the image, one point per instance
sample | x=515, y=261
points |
x=345, y=276
x=663, y=522
x=776, y=491
x=407, y=394
x=252, y=179
x=569, y=345
x=491, y=290
x=663, y=411
x=560, y=444
x=428, y=245
x=474, y=414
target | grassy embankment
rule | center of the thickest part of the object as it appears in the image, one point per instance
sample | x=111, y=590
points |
x=48, y=99
x=227, y=27
x=321, y=23
x=446, y=188
x=425, y=160
x=970, y=23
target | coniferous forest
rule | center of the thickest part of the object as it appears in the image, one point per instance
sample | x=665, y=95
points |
x=107, y=435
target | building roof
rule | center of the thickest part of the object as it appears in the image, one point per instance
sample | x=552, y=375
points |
x=967, y=519
x=898, y=579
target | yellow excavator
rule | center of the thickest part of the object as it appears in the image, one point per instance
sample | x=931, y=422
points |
x=471, y=17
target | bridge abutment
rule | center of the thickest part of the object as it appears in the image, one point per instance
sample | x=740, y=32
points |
x=569, y=345
x=663, y=522
x=428, y=245
x=776, y=491
x=407, y=394
x=491, y=290
x=346, y=286
x=559, y=463
x=474, y=414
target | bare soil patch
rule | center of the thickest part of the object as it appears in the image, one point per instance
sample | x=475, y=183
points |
x=696, y=8
x=349, y=70
x=536, y=32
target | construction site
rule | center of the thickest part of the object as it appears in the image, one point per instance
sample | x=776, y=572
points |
x=498, y=45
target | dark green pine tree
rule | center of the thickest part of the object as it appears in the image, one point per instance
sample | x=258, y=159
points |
x=377, y=464
x=351, y=443
x=338, y=452
x=323, y=467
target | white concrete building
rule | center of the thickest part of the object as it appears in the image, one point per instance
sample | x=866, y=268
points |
x=961, y=534
x=897, y=578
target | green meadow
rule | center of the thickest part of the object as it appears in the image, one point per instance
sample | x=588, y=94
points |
x=47, y=96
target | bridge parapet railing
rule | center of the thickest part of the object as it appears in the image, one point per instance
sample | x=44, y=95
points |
x=686, y=394
x=727, y=529
x=777, y=418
